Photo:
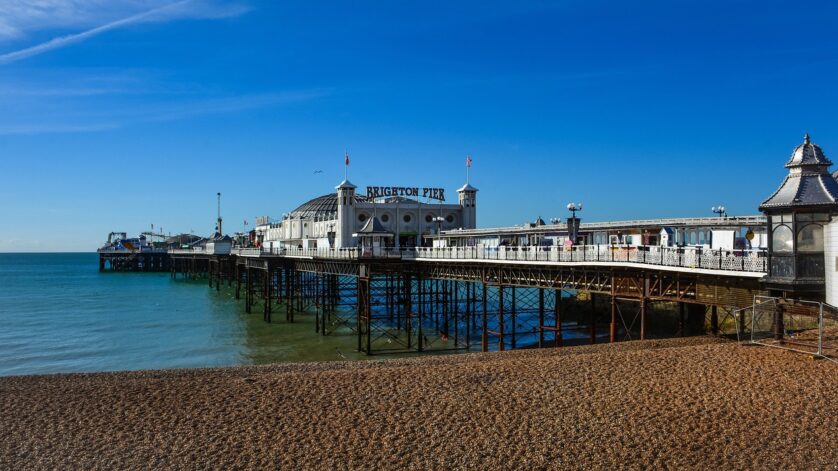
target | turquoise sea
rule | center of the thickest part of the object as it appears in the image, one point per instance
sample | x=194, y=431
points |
x=59, y=314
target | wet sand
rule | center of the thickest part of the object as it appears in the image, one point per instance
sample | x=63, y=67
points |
x=693, y=403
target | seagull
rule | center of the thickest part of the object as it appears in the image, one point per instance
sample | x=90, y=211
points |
x=340, y=354
x=318, y=171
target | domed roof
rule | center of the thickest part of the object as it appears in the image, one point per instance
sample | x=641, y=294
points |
x=808, y=182
x=322, y=206
x=807, y=153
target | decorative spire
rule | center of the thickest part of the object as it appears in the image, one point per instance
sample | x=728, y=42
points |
x=806, y=138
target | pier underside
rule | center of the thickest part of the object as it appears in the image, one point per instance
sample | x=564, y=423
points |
x=396, y=306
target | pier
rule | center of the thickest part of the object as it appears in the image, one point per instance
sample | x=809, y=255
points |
x=406, y=276
x=439, y=299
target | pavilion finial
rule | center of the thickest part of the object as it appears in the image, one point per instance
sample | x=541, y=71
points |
x=806, y=138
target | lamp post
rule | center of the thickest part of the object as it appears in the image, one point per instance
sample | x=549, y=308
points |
x=438, y=220
x=720, y=210
x=573, y=223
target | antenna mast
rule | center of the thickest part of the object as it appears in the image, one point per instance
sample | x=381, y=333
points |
x=220, y=232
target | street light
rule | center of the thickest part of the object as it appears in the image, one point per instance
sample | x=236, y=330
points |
x=573, y=207
x=720, y=210
x=438, y=220
x=573, y=223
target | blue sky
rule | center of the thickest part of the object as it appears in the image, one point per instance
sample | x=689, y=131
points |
x=122, y=113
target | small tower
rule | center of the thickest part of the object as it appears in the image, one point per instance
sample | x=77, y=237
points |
x=346, y=214
x=797, y=214
x=468, y=203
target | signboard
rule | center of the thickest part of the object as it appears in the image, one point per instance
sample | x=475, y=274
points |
x=415, y=192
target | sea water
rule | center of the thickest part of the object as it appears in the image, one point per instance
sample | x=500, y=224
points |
x=59, y=314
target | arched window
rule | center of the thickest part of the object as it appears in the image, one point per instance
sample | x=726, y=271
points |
x=810, y=238
x=782, y=240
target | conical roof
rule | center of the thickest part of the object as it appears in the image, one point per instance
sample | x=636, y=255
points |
x=467, y=187
x=808, y=182
x=807, y=154
x=345, y=185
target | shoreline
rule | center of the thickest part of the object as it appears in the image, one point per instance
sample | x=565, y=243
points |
x=685, y=403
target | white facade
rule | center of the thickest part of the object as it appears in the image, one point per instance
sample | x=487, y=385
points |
x=333, y=221
x=219, y=246
x=722, y=239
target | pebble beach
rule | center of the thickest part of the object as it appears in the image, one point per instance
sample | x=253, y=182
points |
x=695, y=403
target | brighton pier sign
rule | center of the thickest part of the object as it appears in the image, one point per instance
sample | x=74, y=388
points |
x=416, y=192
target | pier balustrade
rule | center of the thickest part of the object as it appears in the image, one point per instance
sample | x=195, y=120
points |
x=754, y=261
x=744, y=261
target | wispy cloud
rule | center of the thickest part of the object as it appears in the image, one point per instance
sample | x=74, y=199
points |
x=30, y=84
x=109, y=119
x=22, y=17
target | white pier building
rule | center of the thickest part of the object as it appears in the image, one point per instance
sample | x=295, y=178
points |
x=384, y=217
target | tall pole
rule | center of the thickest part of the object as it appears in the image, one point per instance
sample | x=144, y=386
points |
x=220, y=231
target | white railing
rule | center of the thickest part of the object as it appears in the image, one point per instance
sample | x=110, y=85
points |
x=193, y=250
x=339, y=254
x=346, y=253
x=146, y=249
x=752, y=261
x=686, y=257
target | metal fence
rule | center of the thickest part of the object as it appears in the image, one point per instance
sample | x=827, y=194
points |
x=744, y=261
x=753, y=261
x=797, y=325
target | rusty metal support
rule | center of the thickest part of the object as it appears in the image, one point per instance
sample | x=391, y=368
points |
x=540, y=317
x=485, y=336
x=500, y=318
x=514, y=317
x=559, y=341
x=714, y=320
x=612, y=334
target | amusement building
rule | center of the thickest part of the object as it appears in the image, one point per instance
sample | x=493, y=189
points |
x=384, y=217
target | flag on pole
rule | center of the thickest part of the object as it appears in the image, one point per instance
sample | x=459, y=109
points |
x=468, y=161
x=346, y=166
